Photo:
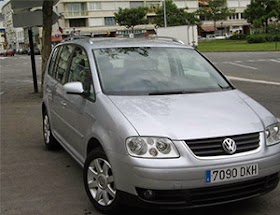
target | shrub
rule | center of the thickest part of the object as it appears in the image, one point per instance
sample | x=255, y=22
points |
x=261, y=38
x=256, y=38
x=238, y=37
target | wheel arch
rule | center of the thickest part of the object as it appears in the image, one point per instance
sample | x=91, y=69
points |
x=93, y=144
x=44, y=108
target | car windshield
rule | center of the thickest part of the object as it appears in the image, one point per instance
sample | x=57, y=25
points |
x=156, y=71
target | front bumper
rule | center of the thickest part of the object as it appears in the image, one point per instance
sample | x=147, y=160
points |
x=184, y=177
x=201, y=197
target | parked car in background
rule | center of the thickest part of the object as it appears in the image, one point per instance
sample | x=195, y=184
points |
x=154, y=123
x=36, y=51
x=22, y=51
x=8, y=52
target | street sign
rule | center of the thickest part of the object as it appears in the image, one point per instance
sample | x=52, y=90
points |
x=19, y=6
x=30, y=19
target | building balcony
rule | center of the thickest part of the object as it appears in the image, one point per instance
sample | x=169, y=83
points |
x=76, y=14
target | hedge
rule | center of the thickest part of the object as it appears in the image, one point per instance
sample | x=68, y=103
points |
x=262, y=38
x=238, y=37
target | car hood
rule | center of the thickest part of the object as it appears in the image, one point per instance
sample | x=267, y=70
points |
x=191, y=116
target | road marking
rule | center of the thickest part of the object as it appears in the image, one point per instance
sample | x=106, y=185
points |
x=1, y=93
x=248, y=67
x=276, y=61
x=2, y=58
x=254, y=80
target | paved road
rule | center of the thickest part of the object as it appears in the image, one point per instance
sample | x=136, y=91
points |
x=255, y=73
x=36, y=181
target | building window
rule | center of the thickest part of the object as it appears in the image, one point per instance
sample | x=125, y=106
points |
x=242, y=16
x=77, y=22
x=95, y=6
x=235, y=16
x=110, y=21
x=135, y=4
x=152, y=6
x=76, y=9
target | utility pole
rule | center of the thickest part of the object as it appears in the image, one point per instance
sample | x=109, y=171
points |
x=164, y=13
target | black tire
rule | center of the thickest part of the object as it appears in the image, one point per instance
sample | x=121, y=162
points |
x=50, y=142
x=102, y=183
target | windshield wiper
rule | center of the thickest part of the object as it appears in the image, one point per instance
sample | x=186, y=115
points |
x=173, y=92
x=225, y=88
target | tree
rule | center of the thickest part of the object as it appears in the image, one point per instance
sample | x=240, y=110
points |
x=175, y=16
x=259, y=12
x=215, y=10
x=46, y=34
x=131, y=17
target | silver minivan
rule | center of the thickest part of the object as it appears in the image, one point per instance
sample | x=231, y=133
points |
x=154, y=123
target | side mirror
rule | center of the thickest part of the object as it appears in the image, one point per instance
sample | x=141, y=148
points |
x=74, y=88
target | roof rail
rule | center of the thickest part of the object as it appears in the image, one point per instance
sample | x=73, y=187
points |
x=168, y=38
x=76, y=38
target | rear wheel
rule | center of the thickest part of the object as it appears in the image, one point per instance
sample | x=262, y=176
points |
x=99, y=182
x=50, y=142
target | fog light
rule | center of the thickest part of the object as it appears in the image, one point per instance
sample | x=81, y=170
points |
x=148, y=194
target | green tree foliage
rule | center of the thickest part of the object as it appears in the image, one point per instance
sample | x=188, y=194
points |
x=175, y=16
x=259, y=12
x=215, y=10
x=131, y=17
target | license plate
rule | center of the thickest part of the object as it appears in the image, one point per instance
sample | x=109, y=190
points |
x=228, y=174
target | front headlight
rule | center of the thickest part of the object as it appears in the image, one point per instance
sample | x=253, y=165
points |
x=151, y=147
x=273, y=134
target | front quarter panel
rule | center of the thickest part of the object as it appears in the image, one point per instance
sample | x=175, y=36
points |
x=265, y=116
x=108, y=126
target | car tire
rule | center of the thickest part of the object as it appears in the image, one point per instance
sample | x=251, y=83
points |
x=50, y=142
x=99, y=182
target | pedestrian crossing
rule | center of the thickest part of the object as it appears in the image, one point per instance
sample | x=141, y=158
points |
x=275, y=60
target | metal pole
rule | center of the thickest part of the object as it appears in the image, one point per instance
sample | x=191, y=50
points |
x=164, y=14
x=32, y=56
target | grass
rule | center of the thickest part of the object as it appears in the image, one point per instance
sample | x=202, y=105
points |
x=235, y=45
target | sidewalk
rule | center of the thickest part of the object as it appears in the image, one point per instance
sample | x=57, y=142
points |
x=34, y=181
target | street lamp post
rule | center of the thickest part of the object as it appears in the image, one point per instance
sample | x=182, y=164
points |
x=164, y=14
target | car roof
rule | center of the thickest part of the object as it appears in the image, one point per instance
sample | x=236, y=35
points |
x=109, y=42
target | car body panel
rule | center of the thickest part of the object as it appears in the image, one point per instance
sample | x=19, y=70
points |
x=189, y=116
x=76, y=120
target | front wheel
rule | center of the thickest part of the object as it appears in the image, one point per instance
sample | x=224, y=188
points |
x=99, y=182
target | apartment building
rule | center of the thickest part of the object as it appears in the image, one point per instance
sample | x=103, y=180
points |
x=2, y=32
x=97, y=16
x=233, y=24
x=14, y=36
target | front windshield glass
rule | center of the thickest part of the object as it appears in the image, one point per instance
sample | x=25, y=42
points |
x=156, y=71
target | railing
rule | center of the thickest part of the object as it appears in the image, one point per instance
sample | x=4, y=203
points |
x=76, y=14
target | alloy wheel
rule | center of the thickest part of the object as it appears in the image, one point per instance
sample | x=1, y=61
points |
x=101, y=182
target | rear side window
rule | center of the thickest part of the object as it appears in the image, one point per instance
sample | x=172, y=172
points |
x=62, y=62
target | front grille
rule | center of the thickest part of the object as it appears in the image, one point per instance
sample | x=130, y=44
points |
x=213, y=146
x=212, y=195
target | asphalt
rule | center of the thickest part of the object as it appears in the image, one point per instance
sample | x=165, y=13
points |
x=35, y=181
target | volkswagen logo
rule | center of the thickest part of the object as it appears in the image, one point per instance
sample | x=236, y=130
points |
x=229, y=146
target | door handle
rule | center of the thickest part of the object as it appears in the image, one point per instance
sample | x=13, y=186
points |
x=63, y=103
